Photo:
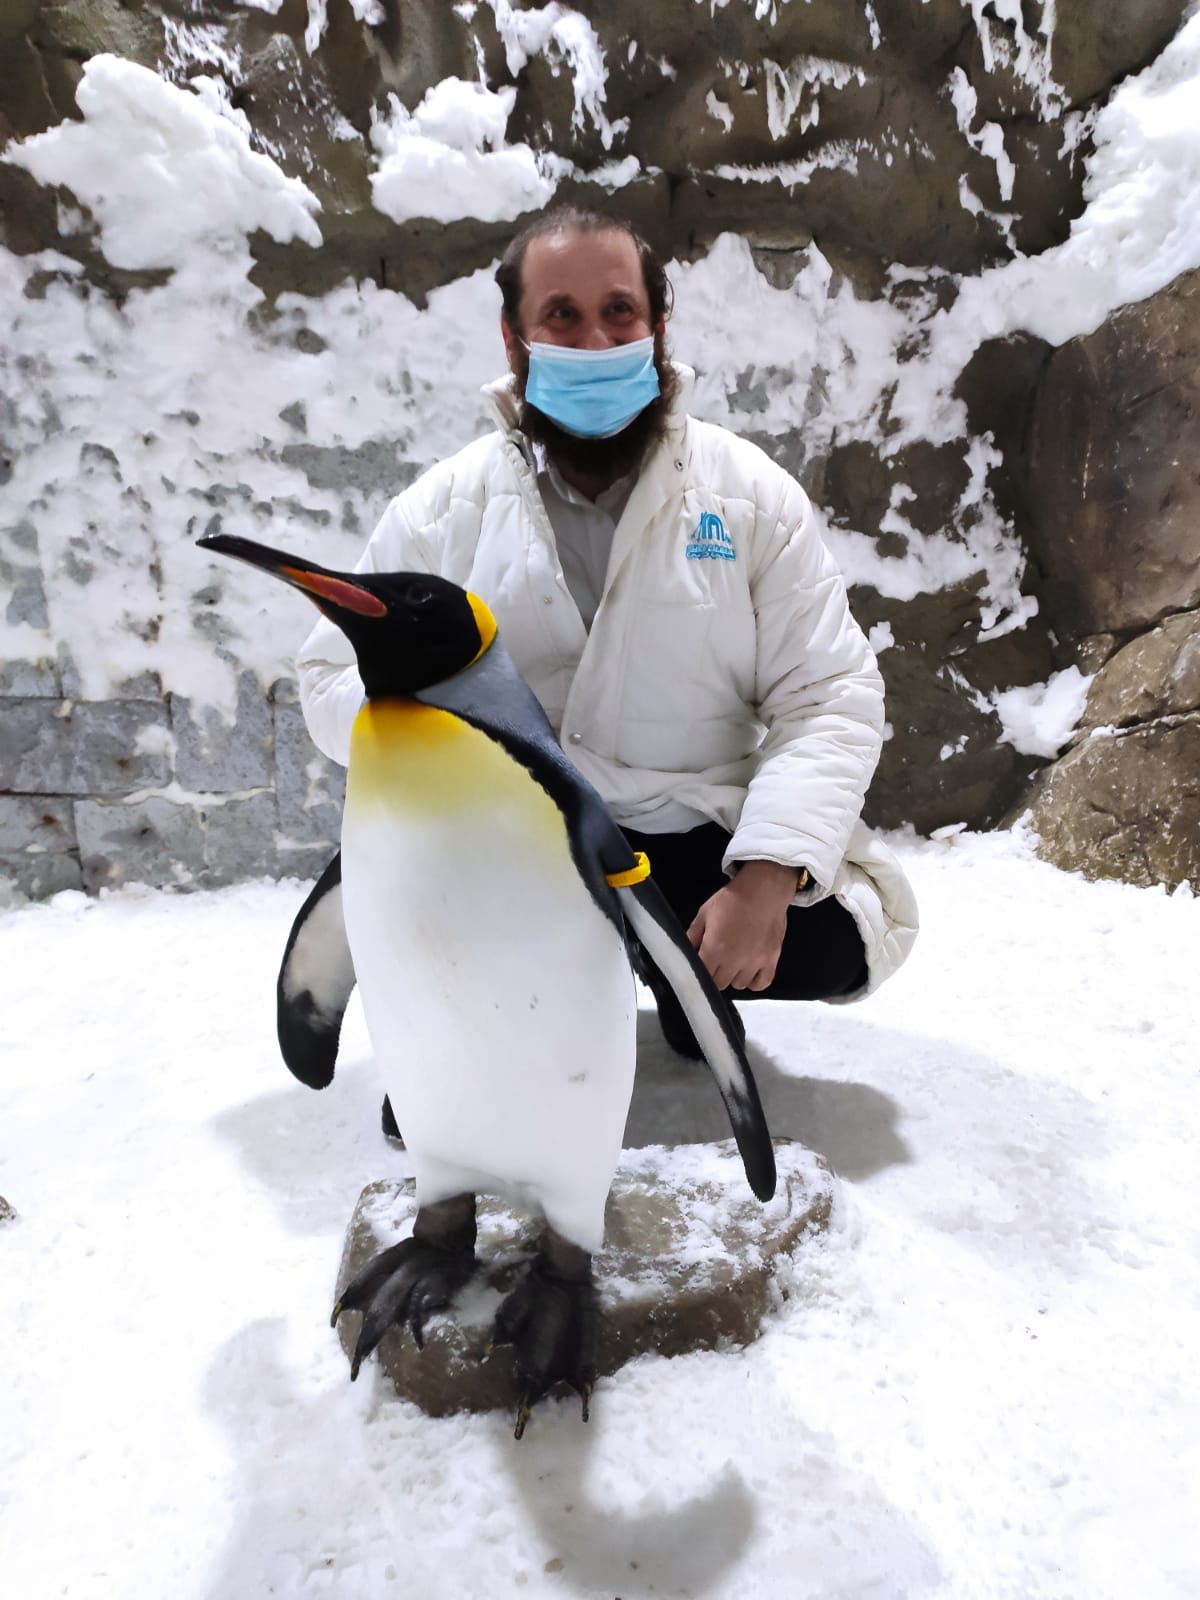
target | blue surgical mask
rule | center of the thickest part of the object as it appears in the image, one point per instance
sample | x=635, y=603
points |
x=592, y=393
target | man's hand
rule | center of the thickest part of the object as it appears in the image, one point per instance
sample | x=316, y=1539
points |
x=739, y=930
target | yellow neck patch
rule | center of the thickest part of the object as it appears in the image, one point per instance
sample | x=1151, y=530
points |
x=424, y=767
x=484, y=621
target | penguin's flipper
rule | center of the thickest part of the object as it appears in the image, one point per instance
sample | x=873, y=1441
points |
x=315, y=983
x=659, y=930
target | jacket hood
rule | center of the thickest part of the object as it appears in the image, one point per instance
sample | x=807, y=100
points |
x=501, y=397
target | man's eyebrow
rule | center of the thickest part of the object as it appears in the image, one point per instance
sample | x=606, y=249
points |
x=558, y=297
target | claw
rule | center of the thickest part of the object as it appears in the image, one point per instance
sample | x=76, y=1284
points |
x=524, y=1412
x=402, y=1287
x=550, y=1321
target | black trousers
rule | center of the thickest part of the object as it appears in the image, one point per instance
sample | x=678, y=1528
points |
x=822, y=953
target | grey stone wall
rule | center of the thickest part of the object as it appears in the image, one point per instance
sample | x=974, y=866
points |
x=144, y=790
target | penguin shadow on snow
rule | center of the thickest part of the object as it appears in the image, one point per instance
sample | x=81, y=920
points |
x=352, y=1532
x=686, y=1549
x=309, y=1148
x=843, y=1538
x=851, y=1124
x=350, y=1492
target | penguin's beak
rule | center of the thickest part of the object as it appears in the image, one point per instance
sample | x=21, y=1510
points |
x=323, y=587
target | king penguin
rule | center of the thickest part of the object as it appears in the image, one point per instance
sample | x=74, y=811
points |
x=488, y=900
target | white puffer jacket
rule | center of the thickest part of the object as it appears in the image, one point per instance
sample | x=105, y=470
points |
x=723, y=670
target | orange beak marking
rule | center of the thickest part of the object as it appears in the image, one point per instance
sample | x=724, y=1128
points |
x=347, y=595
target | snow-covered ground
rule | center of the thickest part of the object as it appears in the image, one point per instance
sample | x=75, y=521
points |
x=983, y=1384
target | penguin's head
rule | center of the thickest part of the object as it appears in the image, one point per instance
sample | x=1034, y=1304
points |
x=409, y=630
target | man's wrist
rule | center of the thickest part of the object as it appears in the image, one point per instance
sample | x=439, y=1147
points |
x=773, y=877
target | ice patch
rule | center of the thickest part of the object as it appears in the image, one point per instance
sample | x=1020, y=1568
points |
x=612, y=175
x=567, y=39
x=371, y=12
x=794, y=91
x=719, y=111
x=1007, y=41
x=199, y=44
x=988, y=140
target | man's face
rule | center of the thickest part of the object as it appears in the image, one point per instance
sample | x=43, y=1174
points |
x=582, y=290
x=586, y=291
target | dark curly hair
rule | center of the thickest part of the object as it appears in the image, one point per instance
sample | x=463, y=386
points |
x=575, y=219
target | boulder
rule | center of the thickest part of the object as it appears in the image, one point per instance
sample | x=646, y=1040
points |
x=1114, y=514
x=689, y=1263
x=999, y=387
x=942, y=759
x=1156, y=675
x=77, y=29
x=1125, y=804
x=1096, y=43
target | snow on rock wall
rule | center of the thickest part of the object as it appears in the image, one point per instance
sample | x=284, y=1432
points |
x=245, y=276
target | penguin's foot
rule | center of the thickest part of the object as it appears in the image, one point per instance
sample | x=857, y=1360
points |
x=550, y=1320
x=406, y=1284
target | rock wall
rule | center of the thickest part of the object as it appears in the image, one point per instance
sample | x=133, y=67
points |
x=1004, y=506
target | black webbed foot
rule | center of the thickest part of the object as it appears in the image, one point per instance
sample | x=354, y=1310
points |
x=405, y=1284
x=550, y=1319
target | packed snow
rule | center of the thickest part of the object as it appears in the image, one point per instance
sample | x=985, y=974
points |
x=983, y=1382
x=448, y=158
x=1039, y=719
x=164, y=176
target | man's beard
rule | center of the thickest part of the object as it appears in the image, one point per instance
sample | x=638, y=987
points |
x=600, y=458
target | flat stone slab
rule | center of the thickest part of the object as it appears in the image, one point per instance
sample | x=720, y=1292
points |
x=687, y=1264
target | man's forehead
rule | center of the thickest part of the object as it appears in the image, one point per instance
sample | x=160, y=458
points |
x=563, y=262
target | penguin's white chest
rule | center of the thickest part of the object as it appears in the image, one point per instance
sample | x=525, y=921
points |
x=498, y=995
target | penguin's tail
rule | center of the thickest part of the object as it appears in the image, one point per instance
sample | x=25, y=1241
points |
x=711, y=1016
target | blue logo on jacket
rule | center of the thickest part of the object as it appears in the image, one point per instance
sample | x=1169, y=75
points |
x=710, y=542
